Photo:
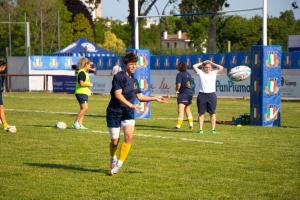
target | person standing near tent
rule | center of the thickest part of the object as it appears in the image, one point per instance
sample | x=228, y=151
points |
x=92, y=70
x=120, y=110
x=116, y=69
x=207, y=98
x=82, y=90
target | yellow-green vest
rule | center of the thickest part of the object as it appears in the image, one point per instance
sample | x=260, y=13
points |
x=83, y=90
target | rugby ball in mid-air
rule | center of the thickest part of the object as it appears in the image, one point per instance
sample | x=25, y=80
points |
x=60, y=125
x=239, y=73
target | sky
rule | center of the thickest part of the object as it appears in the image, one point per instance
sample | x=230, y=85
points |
x=118, y=10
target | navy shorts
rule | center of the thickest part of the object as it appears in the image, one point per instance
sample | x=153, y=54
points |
x=82, y=98
x=207, y=102
x=184, y=99
x=114, y=119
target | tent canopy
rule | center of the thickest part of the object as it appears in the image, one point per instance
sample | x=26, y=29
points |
x=78, y=48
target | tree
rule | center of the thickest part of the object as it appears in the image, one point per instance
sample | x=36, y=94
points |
x=76, y=7
x=144, y=6
x=194, y=6
x=82, y=28
x=112, y=43
x=40, y=15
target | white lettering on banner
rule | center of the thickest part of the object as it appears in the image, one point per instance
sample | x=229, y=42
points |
x=289, y=87
x=58, y=83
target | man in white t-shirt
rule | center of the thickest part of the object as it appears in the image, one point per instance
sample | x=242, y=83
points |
x=207, y=98
x=116, y=69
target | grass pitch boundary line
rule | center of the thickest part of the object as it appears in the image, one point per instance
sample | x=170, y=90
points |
x=165, y=137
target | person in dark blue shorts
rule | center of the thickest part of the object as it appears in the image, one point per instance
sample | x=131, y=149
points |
x=120, y=110
x=5, y=125
x=82, y=91
x=184, y=95
x=207, y=98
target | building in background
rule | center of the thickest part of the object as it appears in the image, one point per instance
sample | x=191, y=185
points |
x=177, y=41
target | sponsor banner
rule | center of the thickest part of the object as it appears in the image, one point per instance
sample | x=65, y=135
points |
x=64, y=83
x=52, y=62
x=290, y=60
x=102, y=84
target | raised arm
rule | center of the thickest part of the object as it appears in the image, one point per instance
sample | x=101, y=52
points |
x=195, y=67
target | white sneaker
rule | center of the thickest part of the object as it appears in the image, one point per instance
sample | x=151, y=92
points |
x=115, y=170
x=76, y=125
x=11, y=129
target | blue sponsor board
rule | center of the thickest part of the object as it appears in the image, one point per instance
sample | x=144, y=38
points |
x=290, y=60
x=65, y=84
x=52, y=62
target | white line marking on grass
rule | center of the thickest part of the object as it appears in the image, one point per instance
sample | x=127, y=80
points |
x=164, y=137
x=67, y=113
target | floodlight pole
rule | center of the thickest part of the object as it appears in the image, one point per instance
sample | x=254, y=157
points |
x=136, y=25
x=265, y=17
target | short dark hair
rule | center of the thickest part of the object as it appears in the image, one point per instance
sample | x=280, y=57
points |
x=130, y=57
x=2, y=62
x=182, y=67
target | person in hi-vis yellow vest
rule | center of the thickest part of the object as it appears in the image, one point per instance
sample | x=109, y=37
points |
x=82, y=90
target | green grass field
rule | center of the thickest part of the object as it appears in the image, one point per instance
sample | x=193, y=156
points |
x=41, y=162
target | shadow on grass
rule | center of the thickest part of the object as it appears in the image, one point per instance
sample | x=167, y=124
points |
x=66, y=167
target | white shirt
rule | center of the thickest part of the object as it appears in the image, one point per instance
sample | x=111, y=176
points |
x=116, y=69
x=207, y=82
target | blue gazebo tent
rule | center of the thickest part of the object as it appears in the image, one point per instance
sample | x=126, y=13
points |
x=80, y=46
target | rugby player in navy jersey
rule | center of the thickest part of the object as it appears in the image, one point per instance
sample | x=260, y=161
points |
x=184, y=95
x=120, y=110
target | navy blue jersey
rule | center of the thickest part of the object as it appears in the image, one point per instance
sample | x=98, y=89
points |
x=130, y=88
x=185, y=79
x=1, y=84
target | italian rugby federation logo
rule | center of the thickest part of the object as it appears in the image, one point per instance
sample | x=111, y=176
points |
x=233, y=60
x=37, y=62
x=167, y=62
x=188, y=62
x=68, y=63
x=199, y=59
x=254, y=112
x=272, y=88
x=100, y=63
x=246, y=60
x=143, y=108
x=142, y=81
x=271, y=114
x=53, y=63
x=223, y=59
x=157, y=62
x=255, y=89
x=256, y=59
x=287, y=60
x=272, y=61
x=177, y=61
x=109, y=63
x=212, y=58
x=299, y=62
x=142, y=61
